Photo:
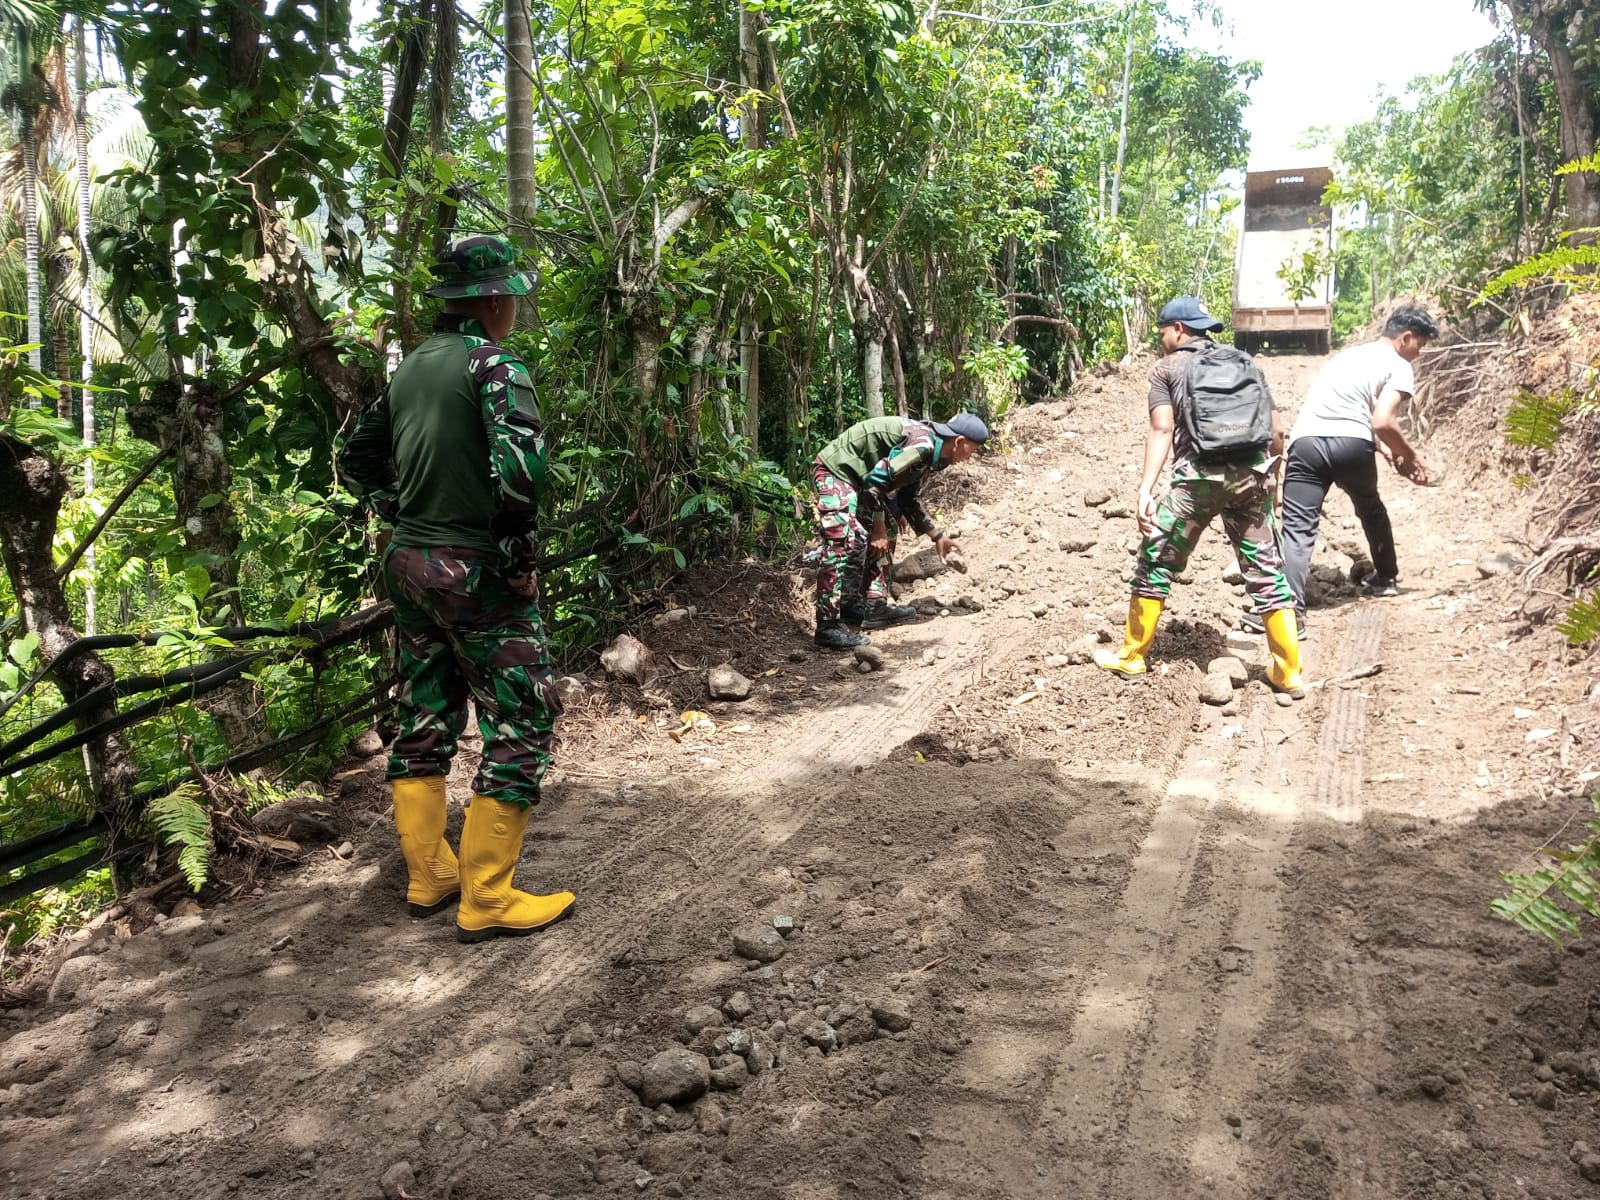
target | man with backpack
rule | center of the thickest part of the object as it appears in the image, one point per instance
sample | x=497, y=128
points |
x=1211, y=411
x=1352, y=414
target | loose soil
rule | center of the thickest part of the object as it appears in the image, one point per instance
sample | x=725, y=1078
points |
x=1148, y=947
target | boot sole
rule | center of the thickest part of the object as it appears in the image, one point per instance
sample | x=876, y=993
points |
x=438, y=906
x=472, y=936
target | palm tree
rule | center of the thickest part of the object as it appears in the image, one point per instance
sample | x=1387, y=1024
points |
x=33, y=104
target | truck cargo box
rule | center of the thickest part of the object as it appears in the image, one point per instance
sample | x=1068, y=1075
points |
x=1283, y=217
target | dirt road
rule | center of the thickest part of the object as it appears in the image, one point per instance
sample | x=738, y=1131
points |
x=1054, y=934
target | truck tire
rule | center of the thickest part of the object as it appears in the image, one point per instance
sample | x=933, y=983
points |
x=1245, y=341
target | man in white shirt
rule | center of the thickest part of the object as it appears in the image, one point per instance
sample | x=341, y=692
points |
x=1351, y=414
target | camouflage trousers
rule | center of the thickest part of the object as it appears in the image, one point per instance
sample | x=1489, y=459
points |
x=1243, y=499
x=464, y=633
x=849, y=569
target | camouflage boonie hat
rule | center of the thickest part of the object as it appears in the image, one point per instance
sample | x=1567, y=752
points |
x=484, y=265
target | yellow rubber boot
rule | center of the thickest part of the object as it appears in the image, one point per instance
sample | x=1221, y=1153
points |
x=1283, y=640
x=419, y=813
x=491, y=842
x=1143, y=615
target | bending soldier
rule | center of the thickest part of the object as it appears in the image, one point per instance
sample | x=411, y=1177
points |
x=453, y=455
x=867, y=480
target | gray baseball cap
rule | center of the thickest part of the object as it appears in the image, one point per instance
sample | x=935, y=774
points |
x=967, y=425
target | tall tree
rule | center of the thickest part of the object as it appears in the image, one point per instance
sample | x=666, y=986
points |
x=1568, y=31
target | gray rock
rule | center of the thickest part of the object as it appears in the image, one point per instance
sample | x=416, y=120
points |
x=853, y=1024
x=783, y=923
x=1116, y=511
x=1232, y=668
x=1078, y=545
x=629, y=1074
x=1503, y=563
x=299, y=819
x=1589, y=1167
x=956, y=562
x=731, y=1075
x=398, y=1181
x=924, y=564
x=893, y=1014
x=671, y=617
x=871, y=657
x=970, y=603
x=762, y=1054
x=1238, y=639
x=368, y=744
x=580, y=1036
x=738, y=1006
x=724, y=683
x=1432, y=1086
x=1216, y=688
x=1095, y=497
x=674, y=1077
x=629, y=659
x=1231, y=574
x=702, y=1016
x=570, y=689
x=758, y=942
x=1081, y=652
x=1284, y=699
x=820, y=1034
x=1544, y=1096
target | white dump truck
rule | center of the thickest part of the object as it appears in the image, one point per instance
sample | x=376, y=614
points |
x=1287, y=228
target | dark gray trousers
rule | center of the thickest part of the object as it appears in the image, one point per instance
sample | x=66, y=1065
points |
x=1315, y=465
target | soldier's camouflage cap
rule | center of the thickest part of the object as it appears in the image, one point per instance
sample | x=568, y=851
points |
x=482, y=265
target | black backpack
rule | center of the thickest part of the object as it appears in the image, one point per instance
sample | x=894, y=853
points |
x=1227, y=409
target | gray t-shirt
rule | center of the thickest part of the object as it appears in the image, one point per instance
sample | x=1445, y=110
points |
x=1341, y=400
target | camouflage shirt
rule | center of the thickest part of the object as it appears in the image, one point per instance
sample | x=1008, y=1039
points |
x=452, y=452
x=886, y=459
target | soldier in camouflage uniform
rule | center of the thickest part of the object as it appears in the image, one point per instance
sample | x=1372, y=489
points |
x=869, y=476
x=1239, y=492
x=452, y=454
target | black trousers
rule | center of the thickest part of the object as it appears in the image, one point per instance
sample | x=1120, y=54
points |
x=1315, y=465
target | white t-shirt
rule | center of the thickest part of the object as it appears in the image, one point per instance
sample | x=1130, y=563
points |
x=1341, y=400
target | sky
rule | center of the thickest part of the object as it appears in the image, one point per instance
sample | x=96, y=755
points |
x=1324, y=64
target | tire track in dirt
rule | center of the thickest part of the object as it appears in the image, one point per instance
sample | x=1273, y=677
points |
x=737, y=822
x=1357, y=1026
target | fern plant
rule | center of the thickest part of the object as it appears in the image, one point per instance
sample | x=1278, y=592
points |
x=1581, y=625
x=1537, y=422
x=183, y=820
x=1535, y=902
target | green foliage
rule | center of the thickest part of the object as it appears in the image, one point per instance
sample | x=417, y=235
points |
x=182, y=819
x=1303, y=274
x=1537, y=422
x=1570, y=265
x=1581, y=624
x=1536, y=899
x=1436, y=180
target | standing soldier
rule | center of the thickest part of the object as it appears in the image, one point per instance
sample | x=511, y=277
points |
x=1211, y=411
x=453, y=454
x=867, y=481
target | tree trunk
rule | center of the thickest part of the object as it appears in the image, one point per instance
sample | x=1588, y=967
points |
x=1122, y=121
x=724, y=405
x=30, y=224
x=750, y=383
x=32, y=486
x=751, y=122
x=897, y=370
x=189, y=425
x=1580, y=110
x=57, y=276
x=522, y=200
x=86, y=298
